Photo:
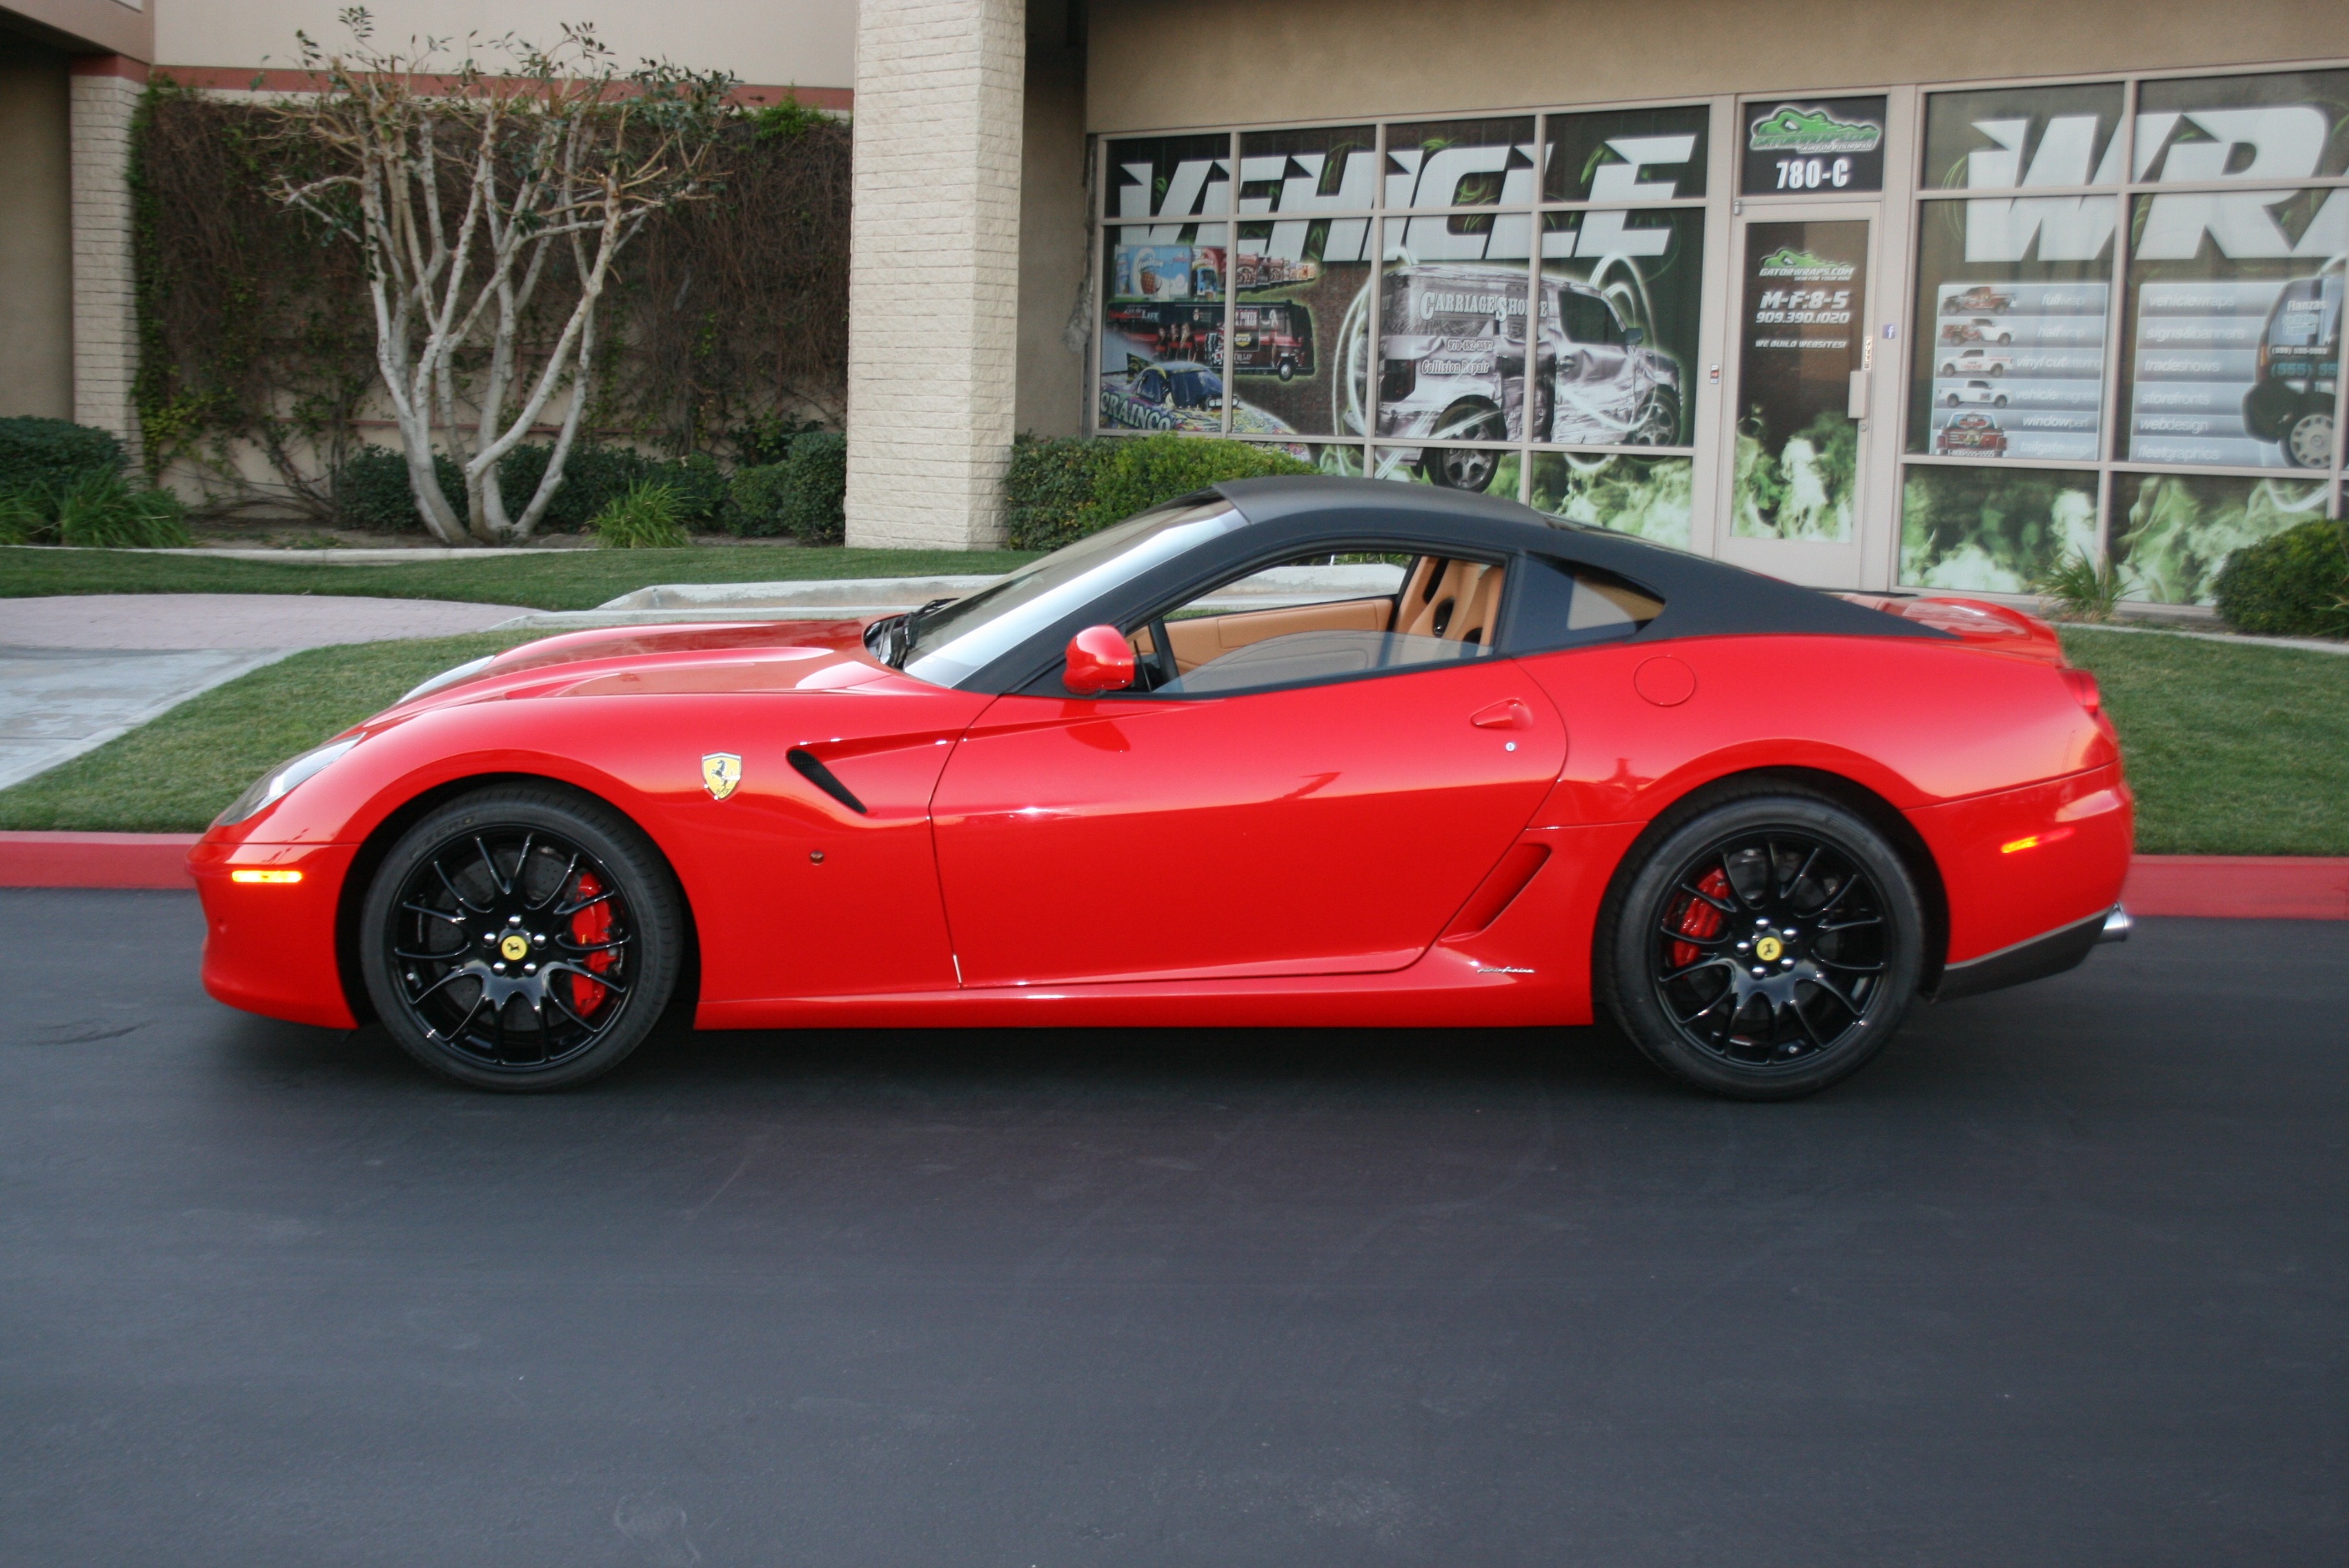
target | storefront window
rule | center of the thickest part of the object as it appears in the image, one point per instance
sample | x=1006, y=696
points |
x=2110, y=285
x=1163, y=285
x=2174, y=532
x=1621, y=301
x=1451, y=360
x=1992, y=530
x=2282, y=125
x=2008, y=138
x=1461, y=163
x=1626, y=155
x=2233, y=352
x=1649, y=497
x=2007, y=349
x=1802, y=339
x=1486, y=470
x=1296, y=367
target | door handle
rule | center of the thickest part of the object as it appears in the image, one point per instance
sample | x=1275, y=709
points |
x=1506, y=714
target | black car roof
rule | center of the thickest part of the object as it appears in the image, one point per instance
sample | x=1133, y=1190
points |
x=1702, y=597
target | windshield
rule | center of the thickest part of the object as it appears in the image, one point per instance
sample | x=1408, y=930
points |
x=954, y=641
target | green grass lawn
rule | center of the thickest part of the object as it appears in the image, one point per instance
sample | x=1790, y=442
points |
x=175, y=773
x=2233, y=751
x=552, y=580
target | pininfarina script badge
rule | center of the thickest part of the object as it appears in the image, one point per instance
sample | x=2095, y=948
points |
x=720, y=771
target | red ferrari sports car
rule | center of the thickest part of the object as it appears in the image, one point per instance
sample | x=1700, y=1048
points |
x=1507, y=771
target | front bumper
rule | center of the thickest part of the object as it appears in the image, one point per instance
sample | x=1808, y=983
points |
x=270, y=947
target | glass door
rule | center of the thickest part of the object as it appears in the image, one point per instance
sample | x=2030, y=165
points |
x=1800, y=356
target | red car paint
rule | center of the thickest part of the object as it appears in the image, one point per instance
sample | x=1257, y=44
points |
x=1258, y=862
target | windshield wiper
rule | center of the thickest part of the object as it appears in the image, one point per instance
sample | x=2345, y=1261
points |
x=912, y=628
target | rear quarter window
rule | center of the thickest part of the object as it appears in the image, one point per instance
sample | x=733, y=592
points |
x=1566, y=605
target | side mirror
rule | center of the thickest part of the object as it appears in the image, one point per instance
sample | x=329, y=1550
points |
x=1635, y=336
x=1100, y=660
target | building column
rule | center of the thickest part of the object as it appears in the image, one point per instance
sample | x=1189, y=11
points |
x=103, y=95
x=934, y=271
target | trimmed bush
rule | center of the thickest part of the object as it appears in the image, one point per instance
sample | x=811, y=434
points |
x=371, y=487
x=36, y=453
x=758, y=501
x=99, y=510
x=1062, y=490
x=370, y=491
x=1049, y=490
x=648, y=517
x=2291, y=584
x=817, y=510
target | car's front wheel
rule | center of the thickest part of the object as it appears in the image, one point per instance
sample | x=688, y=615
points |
x=521, y=938
x=1763, y=948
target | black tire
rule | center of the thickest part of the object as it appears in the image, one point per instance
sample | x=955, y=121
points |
x=1286, y=369
x=1999, y=401
x=2307, y=438
x=1837, y=924
x=582, y=932
x=1658, y=421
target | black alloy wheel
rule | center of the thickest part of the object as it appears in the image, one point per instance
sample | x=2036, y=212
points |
x=521, y=939
x=1765, y=948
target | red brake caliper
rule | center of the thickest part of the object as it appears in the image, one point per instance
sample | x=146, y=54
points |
x=1699, y=919
x=588, y=927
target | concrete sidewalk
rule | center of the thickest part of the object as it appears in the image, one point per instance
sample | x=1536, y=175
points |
x=77, y=670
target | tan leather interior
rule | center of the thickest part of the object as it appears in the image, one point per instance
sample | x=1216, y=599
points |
x=1460, y=608
x=1451, y=599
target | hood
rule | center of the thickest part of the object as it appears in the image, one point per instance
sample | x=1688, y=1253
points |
x=732, y=656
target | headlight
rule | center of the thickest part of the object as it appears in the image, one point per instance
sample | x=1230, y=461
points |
x=465, y=671
x=280, y=778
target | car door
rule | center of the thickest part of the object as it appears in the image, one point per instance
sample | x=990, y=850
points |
x=1320, y=828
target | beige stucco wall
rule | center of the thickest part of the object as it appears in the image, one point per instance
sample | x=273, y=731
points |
x=934, y=271
x=35, y=242
x=806, y=43
x=1220, y=62
x=1052, y=244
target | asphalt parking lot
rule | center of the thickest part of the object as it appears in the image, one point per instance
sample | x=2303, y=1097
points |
x=2062, y=1279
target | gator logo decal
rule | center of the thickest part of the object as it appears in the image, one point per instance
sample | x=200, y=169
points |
x=1785, y=261
x=1791, y=129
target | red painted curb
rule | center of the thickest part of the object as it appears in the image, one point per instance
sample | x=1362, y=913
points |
x=2239, y=887
x=95, y=859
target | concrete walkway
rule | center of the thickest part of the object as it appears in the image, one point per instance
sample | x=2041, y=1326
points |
x=77, y=670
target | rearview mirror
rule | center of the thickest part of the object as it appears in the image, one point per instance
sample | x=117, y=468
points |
x=1100, y=660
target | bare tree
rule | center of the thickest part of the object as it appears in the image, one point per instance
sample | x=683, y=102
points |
x=491, y=206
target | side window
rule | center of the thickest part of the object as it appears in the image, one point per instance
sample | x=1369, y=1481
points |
x=1320, y=618
x=1562, y=605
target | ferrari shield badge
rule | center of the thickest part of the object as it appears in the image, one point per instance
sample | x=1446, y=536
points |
x=720, y=771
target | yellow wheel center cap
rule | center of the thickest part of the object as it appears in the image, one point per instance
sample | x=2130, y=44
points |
x=1766, y=950
x=515, y=948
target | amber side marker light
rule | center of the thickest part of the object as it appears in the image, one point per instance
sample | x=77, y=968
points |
x=2052, y=835
x=264, y=876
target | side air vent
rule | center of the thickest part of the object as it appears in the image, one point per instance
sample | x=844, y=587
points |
x=824, y=779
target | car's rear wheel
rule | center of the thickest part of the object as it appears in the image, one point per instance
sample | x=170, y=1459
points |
x=1763, y=948
x=521, y=938
x=2308, y=440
